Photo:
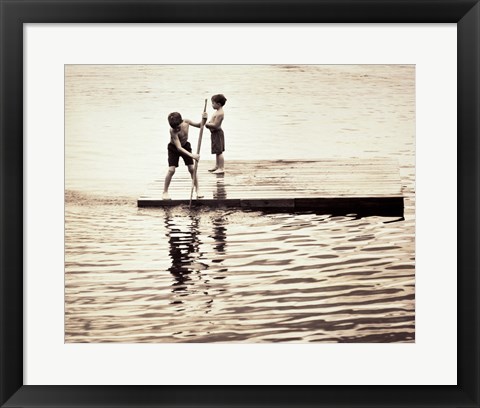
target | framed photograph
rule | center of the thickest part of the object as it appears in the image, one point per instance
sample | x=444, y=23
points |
x=331, y=254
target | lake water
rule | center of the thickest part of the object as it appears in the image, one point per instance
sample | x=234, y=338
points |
x=221, y=275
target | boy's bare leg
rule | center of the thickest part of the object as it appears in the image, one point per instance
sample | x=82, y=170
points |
x=168, y=179
x=195, y=180
x=216, y=165
x=220, y=164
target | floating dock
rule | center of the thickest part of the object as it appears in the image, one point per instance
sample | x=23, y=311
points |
x=329, y=186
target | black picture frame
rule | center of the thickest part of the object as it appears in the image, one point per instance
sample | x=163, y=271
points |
x=14, y=13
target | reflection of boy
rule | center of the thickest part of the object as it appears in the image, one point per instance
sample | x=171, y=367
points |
x=179, y=146
x=217, y=137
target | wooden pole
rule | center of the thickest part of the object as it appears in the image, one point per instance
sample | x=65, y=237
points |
x=198, y=152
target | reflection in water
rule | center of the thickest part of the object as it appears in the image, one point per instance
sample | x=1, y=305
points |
x=219, y=234
x=189, y=266
x=230, y=276
x=184, y=251
x=220, y=193
x=189, y=261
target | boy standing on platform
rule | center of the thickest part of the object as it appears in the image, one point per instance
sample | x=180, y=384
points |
x=179, y=146
x=217, y=136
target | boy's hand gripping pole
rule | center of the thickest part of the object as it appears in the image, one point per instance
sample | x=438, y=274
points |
x=195, y=166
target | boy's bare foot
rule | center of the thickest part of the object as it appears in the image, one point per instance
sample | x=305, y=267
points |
x=212, y=170
x=199, y=195
x=218, y=171
x=165, y=196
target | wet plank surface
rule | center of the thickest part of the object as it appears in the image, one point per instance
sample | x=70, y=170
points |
x=367, y=186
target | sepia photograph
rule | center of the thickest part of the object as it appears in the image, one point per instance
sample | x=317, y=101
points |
x=239, y=203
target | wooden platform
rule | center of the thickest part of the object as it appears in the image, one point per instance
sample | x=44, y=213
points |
x=363, y=187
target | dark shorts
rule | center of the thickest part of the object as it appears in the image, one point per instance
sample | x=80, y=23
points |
x=174, y=155
x=218, y=141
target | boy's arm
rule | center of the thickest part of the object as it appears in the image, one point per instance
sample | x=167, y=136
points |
x=194, y=124
x=179, y=147
x=217, y=122
x=199, y=124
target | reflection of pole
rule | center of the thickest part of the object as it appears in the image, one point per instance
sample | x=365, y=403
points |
x=195, y=166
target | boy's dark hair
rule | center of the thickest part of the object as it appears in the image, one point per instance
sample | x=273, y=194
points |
x=219, y=98
x=175, y=120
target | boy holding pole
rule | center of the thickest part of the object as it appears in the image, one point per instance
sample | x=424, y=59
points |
x=179, y=146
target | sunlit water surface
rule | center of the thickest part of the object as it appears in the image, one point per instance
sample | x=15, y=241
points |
x=222, y=275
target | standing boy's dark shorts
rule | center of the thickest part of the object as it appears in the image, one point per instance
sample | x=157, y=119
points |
x=218, y=141
x=174, y=155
